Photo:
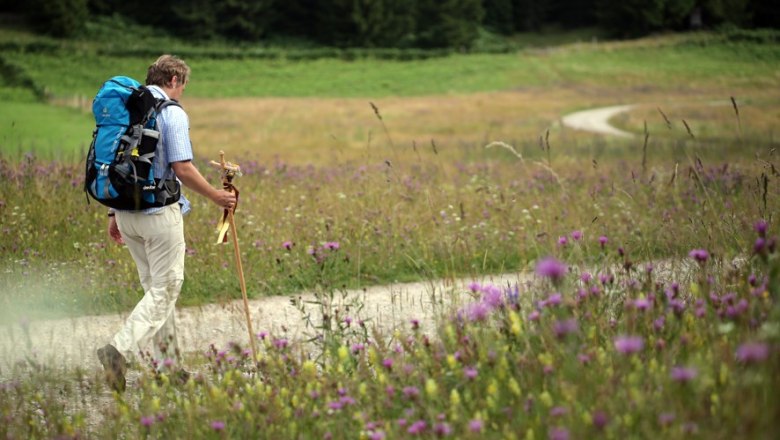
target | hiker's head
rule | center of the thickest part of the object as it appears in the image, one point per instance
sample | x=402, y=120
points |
x=168, y=71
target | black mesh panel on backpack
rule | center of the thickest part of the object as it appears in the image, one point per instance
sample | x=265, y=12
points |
x=139, y=104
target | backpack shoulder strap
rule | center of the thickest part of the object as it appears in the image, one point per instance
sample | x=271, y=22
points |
x=163, y=103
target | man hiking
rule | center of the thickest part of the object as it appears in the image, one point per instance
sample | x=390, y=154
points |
x=155, y=236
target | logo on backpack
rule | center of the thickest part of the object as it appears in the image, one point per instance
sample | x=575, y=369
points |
x=120, y=164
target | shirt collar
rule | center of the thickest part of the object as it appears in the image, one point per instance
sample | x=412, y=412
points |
x=156, y=90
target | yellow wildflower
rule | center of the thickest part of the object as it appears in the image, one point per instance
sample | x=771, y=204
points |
x=431, y=388
x=454, y=397
x=451, y=361
x=546, y=399
x=343, y=353
x=514, y=387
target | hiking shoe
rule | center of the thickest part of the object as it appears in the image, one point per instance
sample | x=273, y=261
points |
x=114, y=366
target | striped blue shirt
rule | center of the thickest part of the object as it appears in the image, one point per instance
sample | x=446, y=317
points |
x=174, y=144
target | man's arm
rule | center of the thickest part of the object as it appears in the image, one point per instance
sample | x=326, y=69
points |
x=192, y=179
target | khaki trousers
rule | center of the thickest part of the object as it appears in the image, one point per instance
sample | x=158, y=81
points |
x=156, y=242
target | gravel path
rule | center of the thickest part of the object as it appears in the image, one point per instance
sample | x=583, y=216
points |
x=597, y=120
x=73, y=341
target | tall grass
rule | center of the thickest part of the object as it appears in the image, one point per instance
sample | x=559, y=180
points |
x=601, y=344
x=618, y=350
x=424, y=212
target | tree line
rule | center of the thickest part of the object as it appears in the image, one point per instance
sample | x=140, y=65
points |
x=394, y=23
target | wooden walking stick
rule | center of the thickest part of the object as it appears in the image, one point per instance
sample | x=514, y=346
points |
x=229, y=171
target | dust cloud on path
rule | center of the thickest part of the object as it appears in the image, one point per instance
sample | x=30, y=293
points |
x=597, y=120
x=72, y=342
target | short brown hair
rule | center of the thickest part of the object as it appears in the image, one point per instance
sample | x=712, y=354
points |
x=165, y=68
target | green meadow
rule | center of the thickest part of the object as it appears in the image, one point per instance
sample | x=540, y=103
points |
x=422, y=167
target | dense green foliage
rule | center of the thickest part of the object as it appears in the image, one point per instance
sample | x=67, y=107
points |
x=404, y=23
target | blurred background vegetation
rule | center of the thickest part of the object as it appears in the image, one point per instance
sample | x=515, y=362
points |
x=460, y=24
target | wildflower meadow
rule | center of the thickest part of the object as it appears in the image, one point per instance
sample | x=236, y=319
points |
x=652, y=302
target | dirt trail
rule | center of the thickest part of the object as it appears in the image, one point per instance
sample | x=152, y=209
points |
x=596, y=120
x=72, y=342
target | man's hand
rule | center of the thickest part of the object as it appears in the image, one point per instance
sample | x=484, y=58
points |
x=113, y=231
x=191, y=177
x=224, y=199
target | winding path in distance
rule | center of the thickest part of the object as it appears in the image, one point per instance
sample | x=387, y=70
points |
x=596, y=120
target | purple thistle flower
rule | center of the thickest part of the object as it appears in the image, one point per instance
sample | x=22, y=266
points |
x=475, y=425
x=565, y=327
x=752, y=352
x=475, y=287
x=576, y=235
x=377, y=435
x=332, y=245
x=683, y=374
x=559, y=411
x=659, y=323
x=600, y=419
x=677, y=305
x=642, y=304
x=477, y=311
x=288, y=245
x=603, y=241
x=562, y=240
x=147, y=421
x=629, y=344
x=586, y=277
x=759, y=246
x=347, y=400
x=492, y=297
x=534, y=315
x=761, y=226
x=442, y=429
x=700, y=255
x=335, y=405
x=554, y=299
x=665, y=419
x=549, y=267
x=417, y=427
x=388, y=363
x=559, y=433
x=470, y=372
x=411, y=392
x=281, y=343
x=357, y=347
x=218, y=425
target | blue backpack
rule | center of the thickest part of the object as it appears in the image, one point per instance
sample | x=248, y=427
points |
x=120, y=162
